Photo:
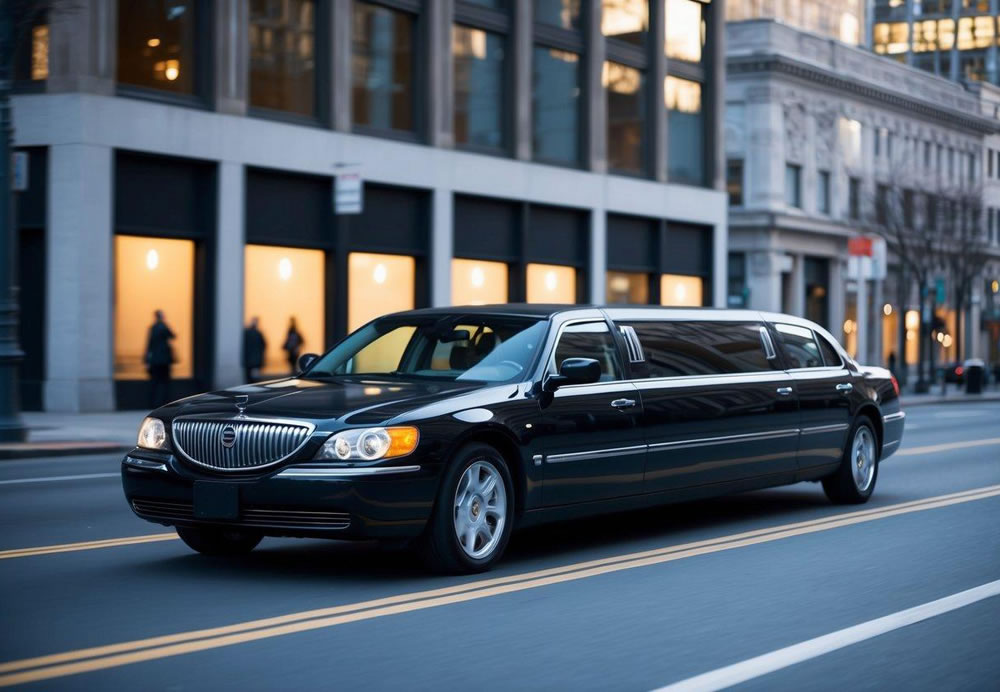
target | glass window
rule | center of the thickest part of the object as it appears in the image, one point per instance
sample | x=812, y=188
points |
x=626, y=20
x=830, y=356
x=378, y=285
x=285, y=287
x=685, y=30
x=31, y=57
x=734, y=181
x=625, y=116
x=686, y=131
x=590, y=340
x=680, y=349
x=793, y=185
x=551, y=283
x=628, y=287
x=681, y=291
x=476, y=282
x=564, y=13
x=282, y=55
x=736, y=279
x=382, y=68
x=556, y=105
x=823, y=192
x=854, y=198
x=479, y=81
x=799, y=347
x=153, y=274
x=460, y=347
x=157, y=45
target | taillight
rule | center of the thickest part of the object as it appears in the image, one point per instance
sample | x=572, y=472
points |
x=895, y=384
x=959, y=370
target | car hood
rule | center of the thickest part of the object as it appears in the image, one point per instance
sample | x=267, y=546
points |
x=355, y=401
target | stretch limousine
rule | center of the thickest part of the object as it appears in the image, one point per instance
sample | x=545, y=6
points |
x=454, y=426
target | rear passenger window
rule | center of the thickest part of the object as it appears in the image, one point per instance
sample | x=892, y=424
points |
x=799, y=347
x=676, y=349
x=830, y=356
x=590, y=340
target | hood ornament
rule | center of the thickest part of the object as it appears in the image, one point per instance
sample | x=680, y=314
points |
x=241, y=404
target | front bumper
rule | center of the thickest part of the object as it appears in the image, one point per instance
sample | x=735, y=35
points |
x=305, y=499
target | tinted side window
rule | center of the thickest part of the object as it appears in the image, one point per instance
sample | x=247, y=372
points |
x=675, y=349
x=590, y=340
x=799, y=347
x=830, y=356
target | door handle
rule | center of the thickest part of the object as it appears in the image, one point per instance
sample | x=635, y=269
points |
x=845, y=388
x=623, y=403
x=784, y=391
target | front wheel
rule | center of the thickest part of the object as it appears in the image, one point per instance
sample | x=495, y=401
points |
x=473, y=516
x=854, y=481
x=219, y=541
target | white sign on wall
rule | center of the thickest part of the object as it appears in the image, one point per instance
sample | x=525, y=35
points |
x=348, y=194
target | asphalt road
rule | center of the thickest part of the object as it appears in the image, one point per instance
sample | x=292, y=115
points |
x=767, y=590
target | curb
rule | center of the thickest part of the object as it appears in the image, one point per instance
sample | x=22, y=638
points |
x=34, y=450
x=907, y=402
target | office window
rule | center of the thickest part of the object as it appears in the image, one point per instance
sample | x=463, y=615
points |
x=850, y=138
x=625, y=20
x=736, y=280
x=378, y=285
x=561, y=13
x=30, y=62
x=382, y=67
x=793, y=185
x=282, y=55
x=951, y=163
x=823, y=192
x=734, y=181
x=556, y=105
x=479, y=87
x=677, y=290
x=927, y=154
x=854, y=198
x=972, y=168
x=158, y=45
x=882, y=204
x=989, y=163
x=880, y=134
x=628, y=287
x=477, y=282
x=626, y=107
x=685, y=131
x=685, y=30
x=551, y=283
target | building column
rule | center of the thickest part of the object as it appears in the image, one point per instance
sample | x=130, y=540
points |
x=596, y=99
x=597, y=266
x=83, y=60
x=720, y=264
x=440, y=70
x=657, y=108
x=765, y=150
x=523, y=50
x=340, y=65
x=715, y=117
x=232, y=56
x=764, y=279
x=992, y=68
x=956, y=10
x=228, y=335
x=442, y=244
x=837, y=292
x=797, y=299
x=876, y=346
x=80, y=279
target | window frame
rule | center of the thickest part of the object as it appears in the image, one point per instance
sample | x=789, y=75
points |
x=550, y=367
x=780, y=343
x=492, y=21
x=544, y=35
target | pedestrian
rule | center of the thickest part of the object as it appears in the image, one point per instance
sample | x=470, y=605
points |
x=159, y=359
x=892, y=362
x=293, y=345
x=254, y=347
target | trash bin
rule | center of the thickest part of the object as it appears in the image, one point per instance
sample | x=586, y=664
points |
x=975, y=370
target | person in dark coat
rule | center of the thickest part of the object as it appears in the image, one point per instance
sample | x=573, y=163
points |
x=254, y=347
x=293, y=345
x=159, y=358
x=892, y=362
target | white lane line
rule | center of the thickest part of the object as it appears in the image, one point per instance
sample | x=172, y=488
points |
x=48, y=479
x=797, y=653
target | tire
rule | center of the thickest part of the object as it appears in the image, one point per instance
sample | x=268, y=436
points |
x=483, y=515
x=219, y=541
x=854, y=481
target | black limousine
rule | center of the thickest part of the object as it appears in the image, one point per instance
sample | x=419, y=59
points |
x=454, y=426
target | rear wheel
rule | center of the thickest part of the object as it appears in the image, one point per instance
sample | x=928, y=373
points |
x=219, y=541
x=854, y=482
x=472, y=518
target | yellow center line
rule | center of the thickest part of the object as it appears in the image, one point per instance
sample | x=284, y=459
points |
x=945, y=446
x=86, y=545
x=98, y=658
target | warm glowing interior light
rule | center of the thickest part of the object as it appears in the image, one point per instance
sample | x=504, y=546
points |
x=551, y=281
x=477, y=282
x=172, y=70
x=995, y=286
x=947, y=341
x=887, y=309
x=153, y=42
x=152, y=259
x=285, y=269
x=912, y=320
x=679, y=290
x=476, y=277
x=377, y=285
x=380, y=274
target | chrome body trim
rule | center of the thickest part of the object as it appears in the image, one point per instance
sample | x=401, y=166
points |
x=890, y=417
x=893, y=443
x=343, y=472
x=145, y=464
x=836, y=427
x=596, y=454
x=769, y=351
x=725, y=439
x=309, y=428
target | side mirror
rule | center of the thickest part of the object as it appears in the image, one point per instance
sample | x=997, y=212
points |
x=574, y=371
x=306, y=361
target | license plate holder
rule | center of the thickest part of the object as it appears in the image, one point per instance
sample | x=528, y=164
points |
x=216, y=500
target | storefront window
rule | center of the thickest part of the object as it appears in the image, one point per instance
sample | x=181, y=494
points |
x=475, y=282
x=556, y=105
x=282, y=55
x=626, y=20
x=479, y=76
x=628, y=287
x=685, y=30
x=625, y=122
x=686, y=131
x=282, y=285
x=153, y=274
x=382, y=68
x=551, y=283
x=681, y=291
x=378, y=285
x=157, y=44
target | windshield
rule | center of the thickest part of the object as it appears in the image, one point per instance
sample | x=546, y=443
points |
x=480, y=348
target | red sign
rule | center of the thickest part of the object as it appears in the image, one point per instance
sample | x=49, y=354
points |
x=859, y=246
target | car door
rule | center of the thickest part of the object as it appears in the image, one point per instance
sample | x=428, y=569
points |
x=717, y=406
x=590, y=442
x=824, y=386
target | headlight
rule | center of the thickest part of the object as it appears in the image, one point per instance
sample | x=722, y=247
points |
x=369, y=444
x=152, y=434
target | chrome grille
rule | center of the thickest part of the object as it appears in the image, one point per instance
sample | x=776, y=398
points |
x=173, y=510
x=257, y=442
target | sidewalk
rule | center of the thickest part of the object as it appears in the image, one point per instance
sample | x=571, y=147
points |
x=953, y=395
x=64, y=434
